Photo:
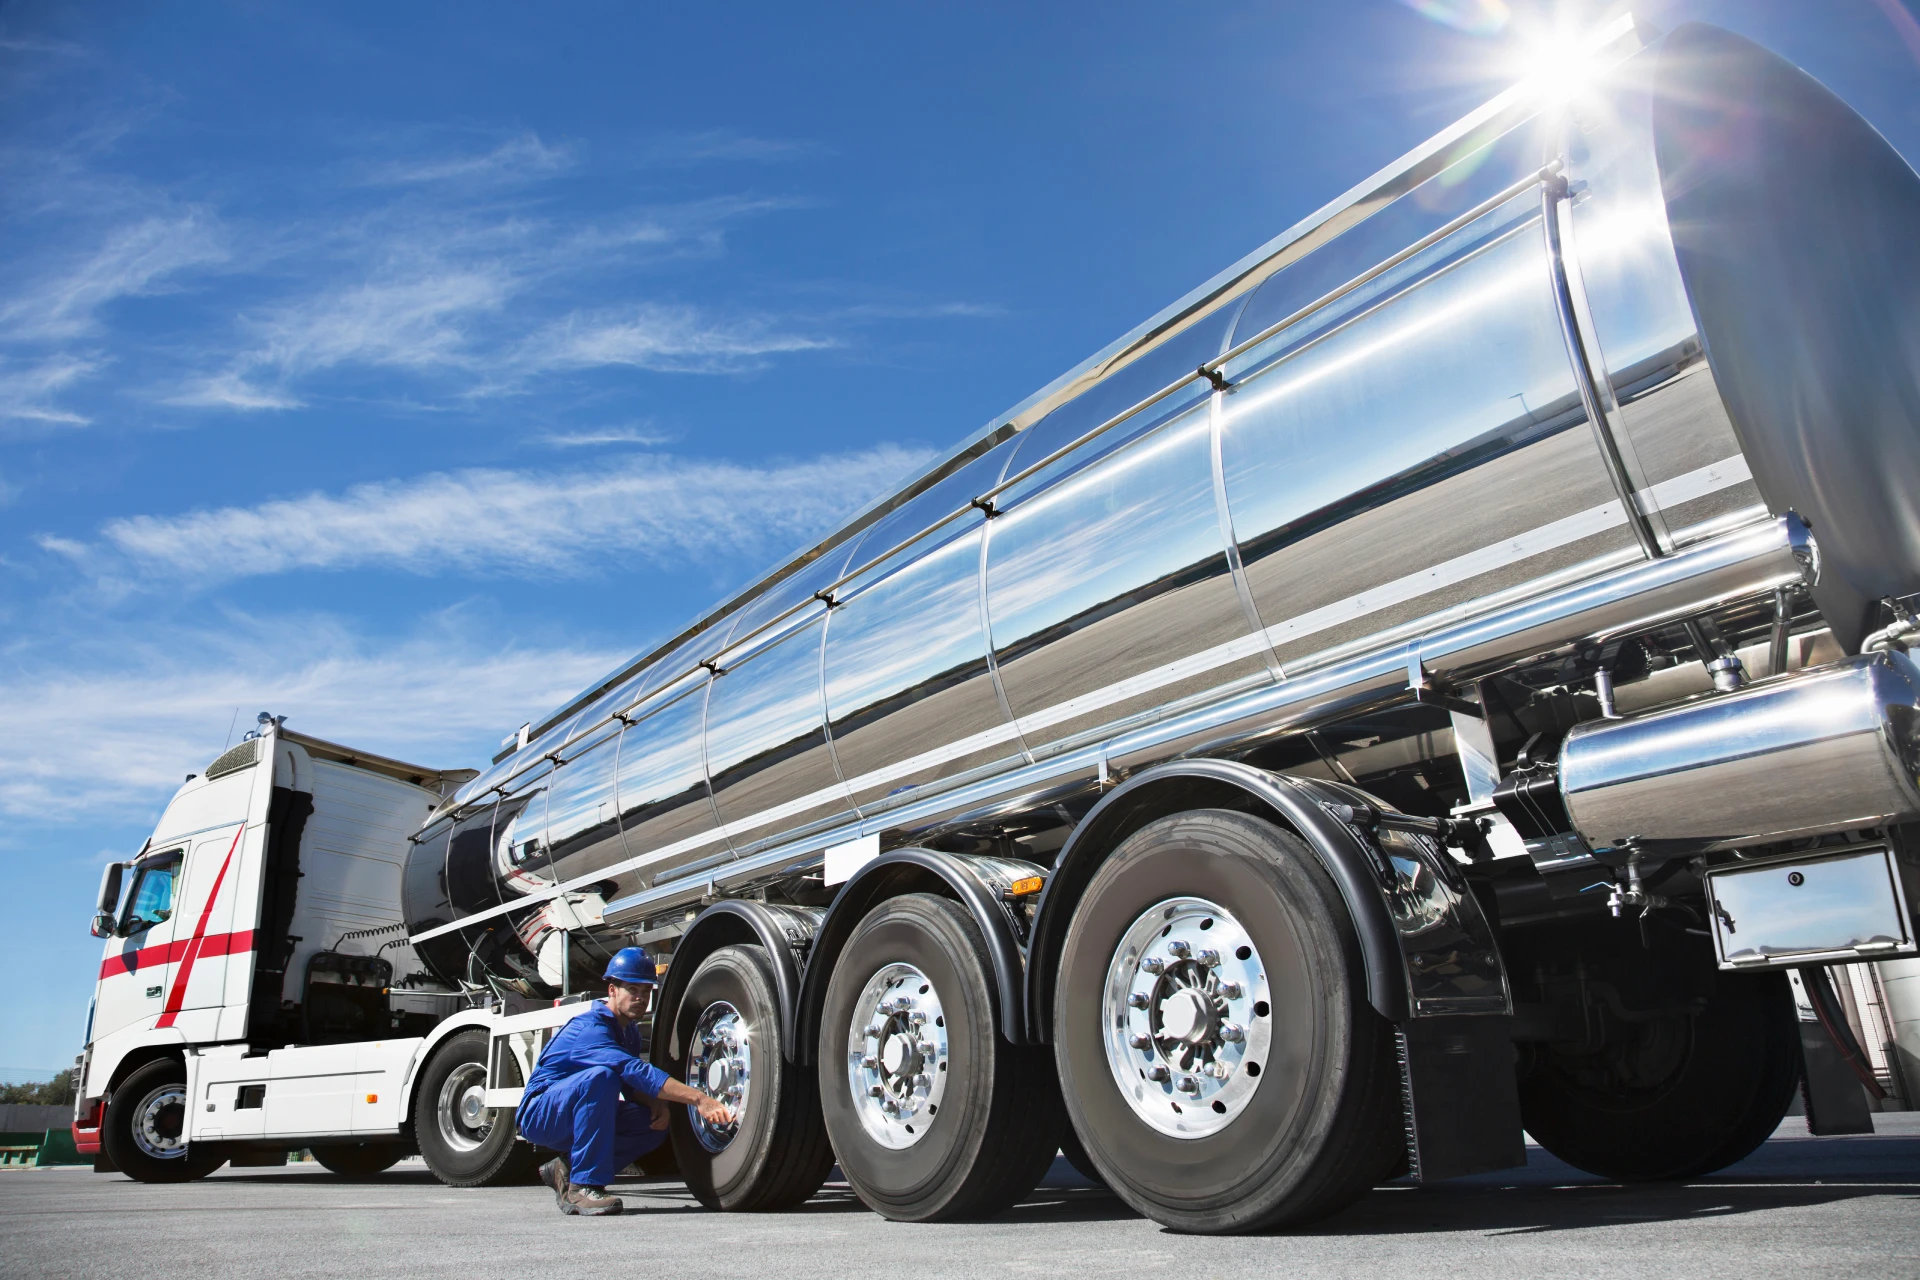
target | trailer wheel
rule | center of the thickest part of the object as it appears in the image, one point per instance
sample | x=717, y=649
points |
x=1217, y=1052
x=145, y=1130
x=1676, y=1096
x=934, y=1116
x=465, y=1143
x=359, y=1159
x=727, y=1031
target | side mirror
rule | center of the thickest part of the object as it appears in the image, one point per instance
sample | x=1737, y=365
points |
x=109, y=899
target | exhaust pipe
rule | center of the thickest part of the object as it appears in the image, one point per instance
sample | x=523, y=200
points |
x=1834, y=748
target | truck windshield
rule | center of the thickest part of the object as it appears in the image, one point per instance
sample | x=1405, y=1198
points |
x=151, y=901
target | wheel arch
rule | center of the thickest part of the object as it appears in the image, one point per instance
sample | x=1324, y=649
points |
x=1184, y=785
x=784, y=933
x=915, y=870
x=466, y=1020
x=142, y=1055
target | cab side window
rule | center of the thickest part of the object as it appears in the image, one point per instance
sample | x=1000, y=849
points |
x=151, y=901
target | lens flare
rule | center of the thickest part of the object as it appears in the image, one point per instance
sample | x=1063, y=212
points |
x=1475, y=17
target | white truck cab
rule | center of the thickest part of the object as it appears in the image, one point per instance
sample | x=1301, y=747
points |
x=257, y=992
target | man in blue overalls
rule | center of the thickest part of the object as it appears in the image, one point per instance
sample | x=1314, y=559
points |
x=595, y=1098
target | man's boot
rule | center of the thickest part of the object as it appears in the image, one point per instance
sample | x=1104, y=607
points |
x=554, y=1174
x=589, y=1202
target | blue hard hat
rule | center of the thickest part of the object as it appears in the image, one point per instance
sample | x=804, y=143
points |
x=630, y=964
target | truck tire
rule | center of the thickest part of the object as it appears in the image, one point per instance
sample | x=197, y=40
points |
x=934, y=1116
x=1221, y=1063
x=145, y=1127
x=1685, y=1095
x=360, y=1159
x=727, y=1032
x=463, y=1143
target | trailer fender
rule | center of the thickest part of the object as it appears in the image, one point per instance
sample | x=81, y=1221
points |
x=977, y=882
x=1217, y=784
x=785, y=933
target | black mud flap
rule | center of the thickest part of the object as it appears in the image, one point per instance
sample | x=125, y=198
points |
x=1836, y=1104
x=1462, y=1096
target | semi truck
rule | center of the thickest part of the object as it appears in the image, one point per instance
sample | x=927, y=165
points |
x=1445, y=679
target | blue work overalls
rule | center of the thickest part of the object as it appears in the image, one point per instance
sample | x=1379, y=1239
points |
x=574, y=1102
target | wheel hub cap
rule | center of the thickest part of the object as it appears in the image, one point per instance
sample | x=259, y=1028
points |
x=1185, y=1017
x=721, y=1057
x=897, y=1055
x=464, y=1118
x=159, y=1122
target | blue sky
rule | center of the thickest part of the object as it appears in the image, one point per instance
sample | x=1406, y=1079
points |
x=401, y=368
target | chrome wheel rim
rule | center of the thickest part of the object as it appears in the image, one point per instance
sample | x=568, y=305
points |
x=720, y=1061
x=1185, y=1017
x=159, y=1123
x=897, y=1056
x=465, y=1119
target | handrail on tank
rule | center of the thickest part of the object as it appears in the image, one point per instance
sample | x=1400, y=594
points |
x=1334, y=219
x=981, y=502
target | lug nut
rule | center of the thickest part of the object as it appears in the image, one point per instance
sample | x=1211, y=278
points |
x=1140, y=1042
x=1209, y=958
x=1187, y=1084
x=922, y=1082
x=875, y=1091
x=1231, y=1033
x=902, y=1004
x=1231, y=990
x=1219, y=1070
x=1153, y=965
x=1158, y=1074
x=1137, y=1000
x=870, y=1062
x=1178, y=947
x=917, y=1018
x=926, y=1050
x=874, y=1029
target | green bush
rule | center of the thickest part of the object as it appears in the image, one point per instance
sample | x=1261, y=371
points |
x=57, y=1092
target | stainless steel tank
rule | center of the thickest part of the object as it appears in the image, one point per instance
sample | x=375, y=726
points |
x=1568, y=365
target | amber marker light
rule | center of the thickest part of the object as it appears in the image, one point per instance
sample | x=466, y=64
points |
x=1025, y=885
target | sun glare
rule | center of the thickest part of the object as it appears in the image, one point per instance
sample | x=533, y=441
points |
x=1562, y=64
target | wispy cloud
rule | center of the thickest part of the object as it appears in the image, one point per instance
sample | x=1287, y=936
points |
x=518, y=159
x=27, y=388
x=651, y=509
x=723, y=145
x=662, y=338
x=110, y=732
x=638, y=437
x=133, y=258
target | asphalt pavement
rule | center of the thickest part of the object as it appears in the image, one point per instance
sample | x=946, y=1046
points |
x=1798, y=1207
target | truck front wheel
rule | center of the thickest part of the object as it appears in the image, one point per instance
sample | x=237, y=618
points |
x=1216, y=1048
x=465, y=1142
x=145, y=1131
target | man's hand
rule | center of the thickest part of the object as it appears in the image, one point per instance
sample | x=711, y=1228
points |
x=659, y=1110
x=712, y=1110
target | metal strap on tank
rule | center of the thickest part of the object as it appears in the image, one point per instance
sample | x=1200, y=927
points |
x=1552, y=195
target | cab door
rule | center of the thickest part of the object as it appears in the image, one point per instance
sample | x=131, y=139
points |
x=202, y=934
x=139, y=959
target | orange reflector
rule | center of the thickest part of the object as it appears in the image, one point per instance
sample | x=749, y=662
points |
x=373, y=1097
x=1025, y=885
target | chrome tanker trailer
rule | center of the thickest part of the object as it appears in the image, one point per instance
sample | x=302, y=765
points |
x=1439, y=678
